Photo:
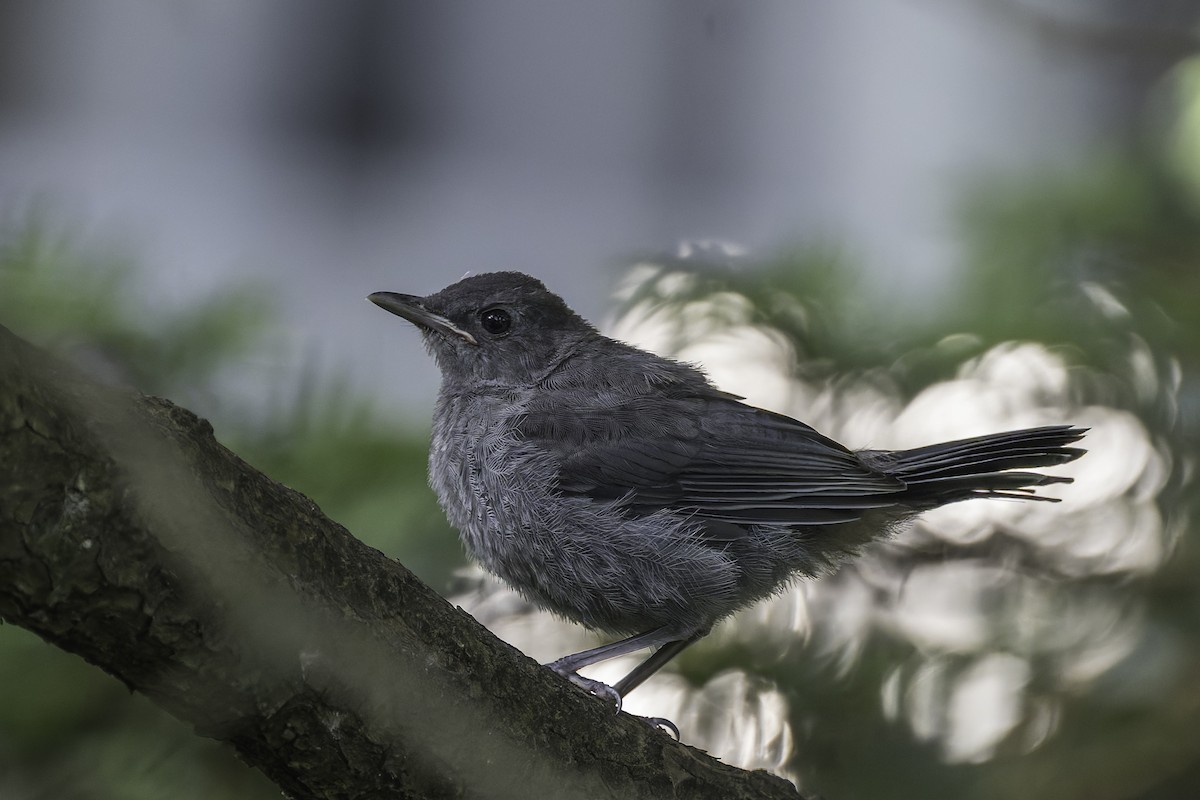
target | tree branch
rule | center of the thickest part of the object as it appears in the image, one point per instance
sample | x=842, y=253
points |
x=129, y=536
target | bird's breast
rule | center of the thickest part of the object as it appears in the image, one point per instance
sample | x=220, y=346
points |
x=489, y=481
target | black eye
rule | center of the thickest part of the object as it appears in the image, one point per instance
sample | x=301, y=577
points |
x=495, y=321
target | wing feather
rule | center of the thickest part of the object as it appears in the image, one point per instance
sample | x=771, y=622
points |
x=713, y=457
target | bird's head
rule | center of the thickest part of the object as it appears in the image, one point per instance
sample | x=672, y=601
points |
x=502, y=327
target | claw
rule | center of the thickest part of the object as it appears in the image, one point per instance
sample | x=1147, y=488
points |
x=660, y=722
x=598, y=688
x=590, y=685
x=606, y=692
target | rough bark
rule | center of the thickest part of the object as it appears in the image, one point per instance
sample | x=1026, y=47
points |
x=130, y=536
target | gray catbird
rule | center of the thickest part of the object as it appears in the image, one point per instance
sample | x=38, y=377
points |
x=623, y=491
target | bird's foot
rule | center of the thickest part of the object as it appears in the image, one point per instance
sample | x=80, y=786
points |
x=590, y=685
x=606, y=692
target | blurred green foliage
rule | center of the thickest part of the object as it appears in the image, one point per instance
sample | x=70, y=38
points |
x=89, y=305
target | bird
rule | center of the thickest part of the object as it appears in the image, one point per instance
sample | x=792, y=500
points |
x=623, y=491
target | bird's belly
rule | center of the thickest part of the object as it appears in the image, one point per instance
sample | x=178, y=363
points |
x=583, y=559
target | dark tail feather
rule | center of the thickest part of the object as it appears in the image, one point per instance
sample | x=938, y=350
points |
x=984, y=466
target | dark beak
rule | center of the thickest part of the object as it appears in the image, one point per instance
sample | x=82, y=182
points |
x=409, y=306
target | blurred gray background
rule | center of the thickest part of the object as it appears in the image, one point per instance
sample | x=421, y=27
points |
x=333, y=149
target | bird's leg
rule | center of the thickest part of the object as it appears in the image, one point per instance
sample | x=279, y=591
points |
x=665, y=639
x=650, y=666
x=653, y=664
x=569, y=666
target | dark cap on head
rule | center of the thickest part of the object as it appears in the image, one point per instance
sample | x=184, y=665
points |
x=497, y=326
